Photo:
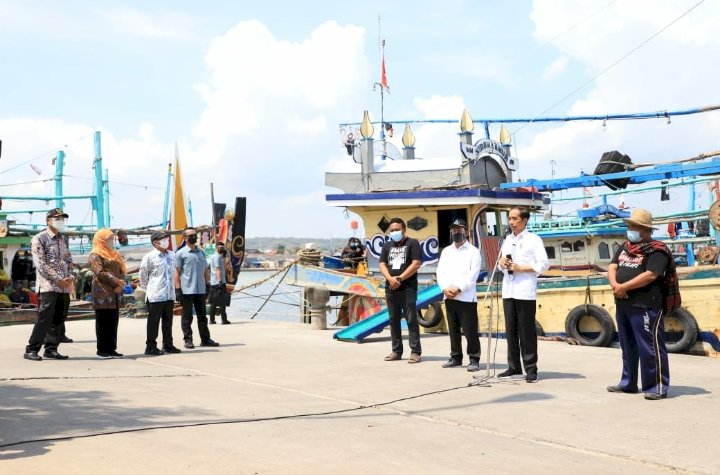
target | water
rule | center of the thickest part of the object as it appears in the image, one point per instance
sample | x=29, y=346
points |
x=284, y=305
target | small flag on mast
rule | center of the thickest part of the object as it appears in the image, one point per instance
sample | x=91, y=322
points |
x=383, y=75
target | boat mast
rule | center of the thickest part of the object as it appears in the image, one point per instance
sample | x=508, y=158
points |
x=166, y=204
x=99, y=194
x=59, y=164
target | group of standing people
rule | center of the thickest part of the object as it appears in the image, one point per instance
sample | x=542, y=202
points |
x=166, y=277
x=641, y=274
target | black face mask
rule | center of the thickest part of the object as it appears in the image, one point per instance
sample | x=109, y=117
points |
x=192, y=239
x=222, y=252
x=458, y=237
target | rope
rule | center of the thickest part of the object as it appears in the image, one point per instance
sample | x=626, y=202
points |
x=309, y=256
x=262, y=281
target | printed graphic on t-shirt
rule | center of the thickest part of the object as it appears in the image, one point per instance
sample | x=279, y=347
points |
x=629, y=262
x=396, y=258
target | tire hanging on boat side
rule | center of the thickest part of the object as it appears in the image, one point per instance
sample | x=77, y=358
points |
x=436, y=317
x=690, y=331
x=607, y=328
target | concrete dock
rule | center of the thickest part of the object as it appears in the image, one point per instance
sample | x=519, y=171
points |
x=279, y=398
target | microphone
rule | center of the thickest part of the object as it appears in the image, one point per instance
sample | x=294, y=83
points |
x=508, y=232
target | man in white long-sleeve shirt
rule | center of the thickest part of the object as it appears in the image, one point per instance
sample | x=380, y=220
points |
x=457, y=272
x=157, y=270
x=523, y=259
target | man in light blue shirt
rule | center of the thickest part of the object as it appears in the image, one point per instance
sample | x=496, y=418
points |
x=218, y=290
x=192, y=277
x=157, y=269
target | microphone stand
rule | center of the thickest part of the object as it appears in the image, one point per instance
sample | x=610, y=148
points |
x=490, y=319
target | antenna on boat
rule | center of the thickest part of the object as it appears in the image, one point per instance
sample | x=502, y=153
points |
x=383, y=87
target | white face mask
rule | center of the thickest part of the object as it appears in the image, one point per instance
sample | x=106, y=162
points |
x=164, y=243
x=58, y=224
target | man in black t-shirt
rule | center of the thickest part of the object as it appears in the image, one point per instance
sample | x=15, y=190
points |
x=636, y=277
x=399, y=261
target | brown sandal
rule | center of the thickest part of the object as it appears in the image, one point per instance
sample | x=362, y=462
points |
x=414, y=358
x=393, y=357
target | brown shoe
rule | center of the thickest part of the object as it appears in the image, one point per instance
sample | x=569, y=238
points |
x=414, y=358
x=393, y=357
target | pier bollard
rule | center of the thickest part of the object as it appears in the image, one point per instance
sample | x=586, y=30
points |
x=318, y=299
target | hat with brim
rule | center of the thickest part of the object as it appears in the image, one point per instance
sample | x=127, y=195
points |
x=461, y=223
x=158, y=235
x=640, y=217
x=56, y=213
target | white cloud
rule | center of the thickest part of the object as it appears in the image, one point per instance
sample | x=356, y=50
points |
x=555, y=68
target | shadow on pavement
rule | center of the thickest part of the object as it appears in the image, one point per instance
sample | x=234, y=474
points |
x=30, y=413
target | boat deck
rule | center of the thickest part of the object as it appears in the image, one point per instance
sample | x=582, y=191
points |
x=283, y=398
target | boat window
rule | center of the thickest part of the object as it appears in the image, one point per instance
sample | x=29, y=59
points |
x=604, y=250
x=578, y=246
x=566, y=247
x=615, y=247
x=550, y=250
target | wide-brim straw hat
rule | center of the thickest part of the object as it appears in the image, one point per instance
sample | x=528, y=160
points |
x=640, y=217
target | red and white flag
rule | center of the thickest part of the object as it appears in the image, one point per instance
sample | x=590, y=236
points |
x=383, y=76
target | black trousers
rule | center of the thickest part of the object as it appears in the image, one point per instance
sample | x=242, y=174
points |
x=218, y=308
x=52, y=312
x=463, y=315
x=521, y=335
x=106, y=326
x=157, y=312
x=401, y=304
x=197, y=301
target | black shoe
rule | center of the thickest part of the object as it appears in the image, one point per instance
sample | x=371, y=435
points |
x=226, y=322
x=104, y=356
x=209, y=343
x=153, y=352
x=189, y=345
x=54, y=355
x=32, y=356
x=654, y=396
x=509, y=374
x=171, y=349
x=115, y=354
x=531, y=378
x=65, y=339
x=212, y=322
x=451, y=363
x=618, y=389
x=474, y=366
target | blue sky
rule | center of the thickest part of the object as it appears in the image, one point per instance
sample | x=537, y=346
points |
x=253, y=91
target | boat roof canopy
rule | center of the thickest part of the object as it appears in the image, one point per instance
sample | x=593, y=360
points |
x=439, y=197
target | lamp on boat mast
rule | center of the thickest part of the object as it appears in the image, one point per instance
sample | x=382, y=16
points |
x=408, y=141
x=366, y=162
x=466, y=127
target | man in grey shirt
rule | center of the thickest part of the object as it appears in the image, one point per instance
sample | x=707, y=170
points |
x=192, y=278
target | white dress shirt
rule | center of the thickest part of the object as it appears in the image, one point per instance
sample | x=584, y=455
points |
x=157, y=274
x=526, y=249
x=460, y=266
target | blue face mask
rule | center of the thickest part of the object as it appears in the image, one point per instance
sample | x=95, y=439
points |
x=633, y=236
x=396, y=236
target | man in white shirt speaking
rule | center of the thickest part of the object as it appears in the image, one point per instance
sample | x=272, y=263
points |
x=457, y=273
x=523, y=259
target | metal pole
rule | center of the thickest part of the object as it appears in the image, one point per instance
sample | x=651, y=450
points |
x=166, y=204
x=100, y=200
x=59, y=164
x=190, y=211
x=106, y=196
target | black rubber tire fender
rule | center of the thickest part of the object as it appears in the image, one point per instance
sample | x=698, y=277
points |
x=437, y=317
x=690, y=331
x=607, y=327
x=539, y=329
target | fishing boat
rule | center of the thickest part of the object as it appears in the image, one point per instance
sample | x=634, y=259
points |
x=477, y=185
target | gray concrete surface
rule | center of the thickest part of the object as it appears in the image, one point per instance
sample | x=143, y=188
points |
x=266, y=372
